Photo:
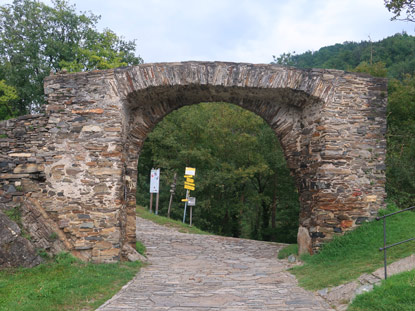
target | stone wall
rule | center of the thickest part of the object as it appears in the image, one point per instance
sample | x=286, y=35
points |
x=22, y=185
x=75, y=166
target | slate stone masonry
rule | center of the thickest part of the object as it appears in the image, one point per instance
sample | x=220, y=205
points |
x=78, y=161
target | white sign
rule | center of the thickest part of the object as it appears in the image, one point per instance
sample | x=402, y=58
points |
x=154, y=180
x=190, y=171
x=191, y=201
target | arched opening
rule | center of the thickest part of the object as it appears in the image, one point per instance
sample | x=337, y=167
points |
x=292, y=115
x=244, y=187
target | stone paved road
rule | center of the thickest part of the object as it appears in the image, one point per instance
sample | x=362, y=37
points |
x=197, y=272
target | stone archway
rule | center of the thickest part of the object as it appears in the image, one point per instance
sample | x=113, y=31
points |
x=330, y=123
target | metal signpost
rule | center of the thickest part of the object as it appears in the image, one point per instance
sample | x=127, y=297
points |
x=189, y=185
x=191, y=202
x=154, y=188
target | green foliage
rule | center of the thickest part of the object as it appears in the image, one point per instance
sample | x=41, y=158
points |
x=400, y=175
x=396, y=52
x=53, y=236
x=37, y=39
x=398, y=6
x=15, y=215
x=377, y=69
x=63, y=284
x=43, y=253
x=241, y=175
x=104, y=51
x=140, y=248
x=394, y=294
x=357, y=252
x=287, y=251
x=8, y=95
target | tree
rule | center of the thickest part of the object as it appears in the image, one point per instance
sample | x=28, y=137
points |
x=243, y=185
x=8, y=94
x=377, y=69
x=36, y=39
x=400, y=175
x=397, y=7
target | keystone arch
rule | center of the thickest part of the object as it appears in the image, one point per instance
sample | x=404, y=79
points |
x=330, y=124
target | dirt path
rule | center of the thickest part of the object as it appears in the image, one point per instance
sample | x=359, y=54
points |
x=198, y=272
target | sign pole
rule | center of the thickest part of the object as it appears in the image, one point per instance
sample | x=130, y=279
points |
x=185, y=205
x=173, y=187
x=191, y=207
x=154, y=188
x=188, y=185
x=157, y=203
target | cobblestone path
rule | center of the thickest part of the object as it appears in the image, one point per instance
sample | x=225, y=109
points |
x=199, y=272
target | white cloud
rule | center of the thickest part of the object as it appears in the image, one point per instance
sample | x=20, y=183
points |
x=240, y=31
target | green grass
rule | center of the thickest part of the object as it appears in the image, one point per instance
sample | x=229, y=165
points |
x=140, y=248
x=291, y=249
x=63, y=284
x=357, y=252
x=164, y=221
x=394, y=294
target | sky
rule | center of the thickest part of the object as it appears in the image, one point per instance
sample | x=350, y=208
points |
x=249, y=31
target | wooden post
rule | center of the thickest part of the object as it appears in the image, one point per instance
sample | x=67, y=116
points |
x=173, y=188
x=151, y=202
x=157, y=203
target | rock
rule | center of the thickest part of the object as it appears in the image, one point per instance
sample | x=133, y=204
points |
x=291, y=258
x=342, y=293
x=11, y=189
x=364, y=289
x=323, y=292
x=304, y=241
x=132, y=255
x=15, y=251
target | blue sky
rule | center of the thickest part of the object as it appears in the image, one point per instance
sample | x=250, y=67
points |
x=240, y=30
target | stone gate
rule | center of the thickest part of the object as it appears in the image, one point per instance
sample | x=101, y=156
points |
x=75, y=167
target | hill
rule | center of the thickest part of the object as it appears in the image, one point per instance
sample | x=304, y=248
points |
x=396, y=52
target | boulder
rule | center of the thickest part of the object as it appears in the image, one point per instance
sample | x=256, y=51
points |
x=304, y=241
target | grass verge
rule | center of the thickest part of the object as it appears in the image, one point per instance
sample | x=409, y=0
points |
x=291, y=249
x=168, y=222
x=140, y=248
x=357, y=252
x=394, y=294
x=63, y=284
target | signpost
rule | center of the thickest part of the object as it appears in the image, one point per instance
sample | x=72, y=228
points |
x=189, y=185
x=172, y=189
x=154, y=188
x=191, y=202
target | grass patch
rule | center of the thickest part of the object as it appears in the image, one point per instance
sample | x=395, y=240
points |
x=14, y=214
x=357, y=252
x=63, y=284
x=168, y=222
x=394, y=294
x=140, y=248
x=291, y=249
